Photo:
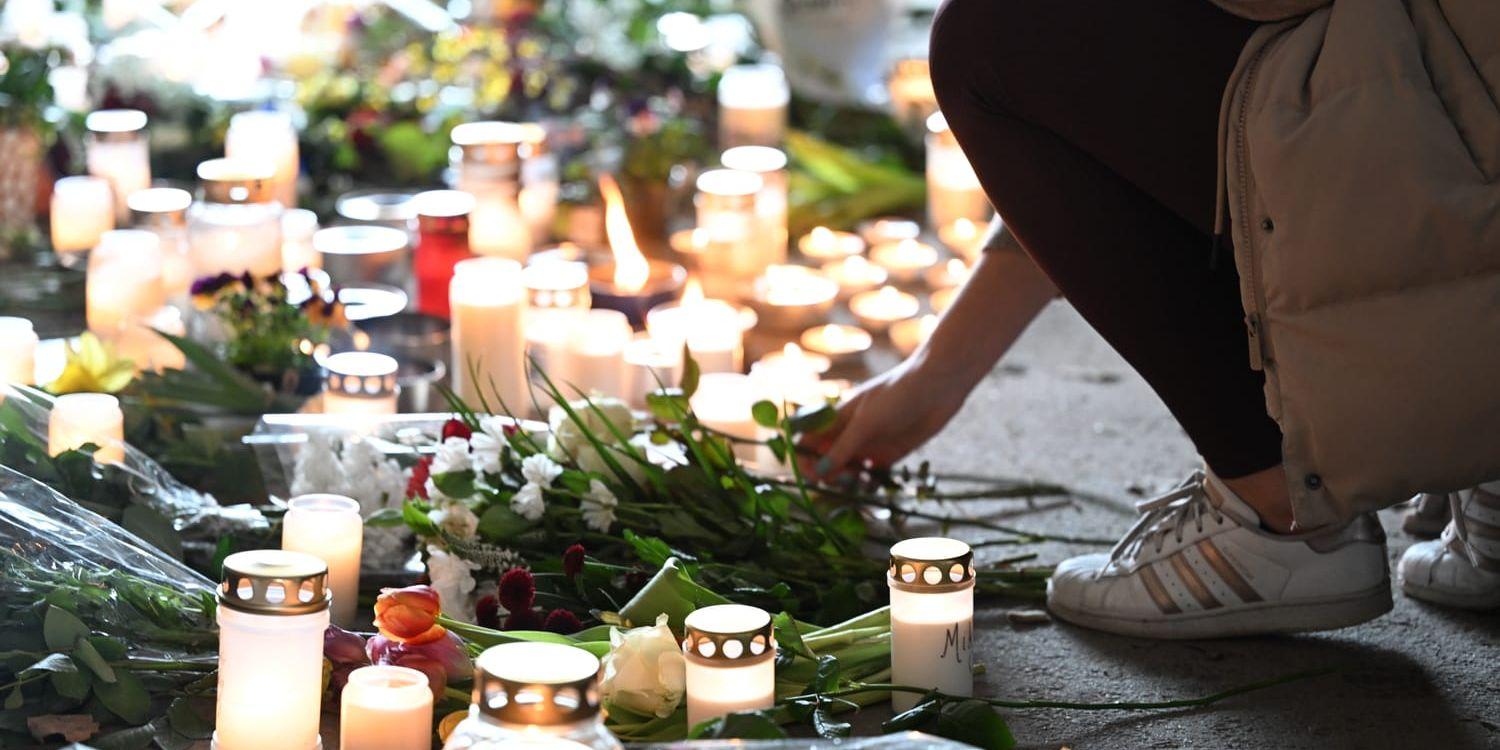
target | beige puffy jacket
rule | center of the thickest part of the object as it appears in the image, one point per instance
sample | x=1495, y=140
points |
x=1361, y=156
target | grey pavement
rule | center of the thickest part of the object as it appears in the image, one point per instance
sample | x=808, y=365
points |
x=1064, y=407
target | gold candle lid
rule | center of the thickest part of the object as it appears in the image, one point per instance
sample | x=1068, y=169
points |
x=159, y=206
x=930, y=564
x=360, y=374
x=235, y=181
x=274, y=582
x=729, y=635
x=539, y=684
x=116, y=125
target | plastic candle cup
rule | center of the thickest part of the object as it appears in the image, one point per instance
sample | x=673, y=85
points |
x=840, y=343
x=932, y=617
x=330, y=528
x=791, y=376
x=752, y=105
x=824, y=244
x=907, y=335
x=489, y=168
x=360, y=383
x=713, y=330
x=163, y=212
x=81, y=418
x=795, y=358
x=889, y=229
x=649, y=365
x=596, y=354
x=488, y=303
x=725, y=204
x=298, y=225
x=877, y=310
x=558, y=299
x=906, y=261
x=771, y=202
x=235, y=227
x=953, y=190
x=731, y=661
x=442, y=242
x=790, y=298
x=116, y=150
x=18, y=342
x=82, y=209
x=124, y=283
x=273, y=609
x=386, y=708
x=534, y=696
x=267, y=137
x=364, y=254
x=854, y=274
x=723, y=402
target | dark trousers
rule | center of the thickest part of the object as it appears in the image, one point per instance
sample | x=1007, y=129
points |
x=1093, y=126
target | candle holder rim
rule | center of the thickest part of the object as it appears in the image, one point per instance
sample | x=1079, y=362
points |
x=263, y=568
x=358, y=239
x=497, y=696
x=954, y=572
x=755, y=644
x=323, y=502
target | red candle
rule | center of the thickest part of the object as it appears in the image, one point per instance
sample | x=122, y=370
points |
x=442, y=241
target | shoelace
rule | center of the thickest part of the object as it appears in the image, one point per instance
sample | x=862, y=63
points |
x=1167, y=513
x=1456, y=533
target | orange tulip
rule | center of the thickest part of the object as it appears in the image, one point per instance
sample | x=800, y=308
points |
x=409, y=615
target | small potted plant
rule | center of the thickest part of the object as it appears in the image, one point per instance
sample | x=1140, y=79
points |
x=25, y=96
x=265, y=333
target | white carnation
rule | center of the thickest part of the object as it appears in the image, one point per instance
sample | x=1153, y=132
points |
x=453, y=578
x=540, y=469
x=528, y=502
x=452, y=456
x=599, y=506
x=486, y=452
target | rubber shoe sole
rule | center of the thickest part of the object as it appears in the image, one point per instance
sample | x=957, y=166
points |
x=1458, y=599
x=1264, y=618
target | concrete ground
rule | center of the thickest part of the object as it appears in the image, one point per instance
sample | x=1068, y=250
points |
x=1064, y=407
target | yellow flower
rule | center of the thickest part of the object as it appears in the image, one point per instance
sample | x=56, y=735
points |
x=449, y=723
x=93, y=367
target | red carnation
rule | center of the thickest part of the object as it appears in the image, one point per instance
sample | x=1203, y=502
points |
x=487, y=612
x=573, y=560
x=562, y=622
x=517, y=590
x=416, y=484
x=524, y=619
x=456, y=428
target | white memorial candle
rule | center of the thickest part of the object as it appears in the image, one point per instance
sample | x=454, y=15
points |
x=725, y=205
x=82, y=209
x=269, y=138
x=770, y=203
x=723, y=402
x=889, y=229
x=596, y=354
x=964, y=237
x=712, y=330
x=877, y=310
x=932, y=617
x=840, y=343
x=824, y=244
x=358, y=383
x=163, y=212
x=236, y=227
x=950, y=274
x=953, y=190
x=79, y=418
x=273, y=609
x=18, y=342
x=298, y=226
x=790, y=298
x=124, y=283
x=752, y=106
x=534, y=696
x=116, y=150
x=912, y=97
x=488, y=304
x=650, y=365
x=731, y=661
x=330, y=528
x=386, y=708
x=489, y=168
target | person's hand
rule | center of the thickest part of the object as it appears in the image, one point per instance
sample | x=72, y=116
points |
x=888, y=417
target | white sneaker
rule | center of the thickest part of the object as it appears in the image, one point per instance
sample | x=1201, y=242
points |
x=1462, y=567
x=1427, y=516
x=1198, y=565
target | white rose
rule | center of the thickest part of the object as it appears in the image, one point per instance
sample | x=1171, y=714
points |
x=568, y=436
x=528, y=502
x=456, y=519
x=453, y=578
x=452, y=456
x=644, y=670
x=599, y=506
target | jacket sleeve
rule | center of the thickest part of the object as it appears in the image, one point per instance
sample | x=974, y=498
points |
x=1271, y=10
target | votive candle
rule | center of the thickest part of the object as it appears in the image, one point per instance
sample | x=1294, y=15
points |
x=953, y=273
x=116, y=150
x=124, y=282
x=18, y=342
x=790, y=297
x=824, y=244
x=931, y=582
x=360, y=383
x=596, y=354
x=267, y=137
x=488, y=305
x=79, y=418
x=953, y=189
x=725, y=204
x=385, y=707
x=964, y=237
x=771, y=202
x=723, y=403
x=712, y=330
x=854, y=274
x=906, y=260
x=889, y=229
x=83, y=208
x=753, y=105
x=163, y=212
x=907, y=335
x=840, y=343
x=731, y=661
x=877, y=310
x=298, y=225
x=330, y=528
x=650, y=365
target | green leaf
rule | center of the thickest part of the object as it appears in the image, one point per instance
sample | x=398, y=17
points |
x=812, y=418
x=765, y=413
x=499, y=523
x=14, y=699
x=417, y=520
x=154, y=528
x=690, y=374
x=745, y=725
x=976, y=723
x=74, y=685
x=192, y=719
x=109, y=648
x=126, y=698
x=825, y=725
x=384, y=518
x=90, y=657
x=459, y=484
x=62, y=629
x=667, y=404
x=788, y=637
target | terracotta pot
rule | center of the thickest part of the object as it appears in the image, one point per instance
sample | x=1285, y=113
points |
x=20, y=171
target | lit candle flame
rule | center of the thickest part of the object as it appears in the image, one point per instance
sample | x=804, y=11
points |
x=692, y=294
x=821, y=238
x=631, y=268
x=965, y=229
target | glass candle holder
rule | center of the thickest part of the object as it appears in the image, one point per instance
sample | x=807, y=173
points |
x=534, y=695
x=235, y=227
x=123, y=287
x=541, y=181
x=365, y=254
x=385, y=708
x=910, y=88
x=488, y=303
x=18, y=341
x=753, y=105
x=80, y=418
x=488, y=166
x=267, y=137
x=791, y=298
x=932, y=617
x=162, y=211
x=83, y=208
x=273, y=609
x=442, y=242
x=907, y=261
x=770, y=203
x=116, y=150
x=298, y=225
x=725, y=203
x=330, y=528
x=953, y=190
x=360, y=383
x=731, y=661
x=649, y=366
x=877, y=310
x=711, y=329
x=824, y=244
x=843, y=344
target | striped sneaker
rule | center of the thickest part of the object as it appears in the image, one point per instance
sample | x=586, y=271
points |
x=1198, y=564
x=1462, y=567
